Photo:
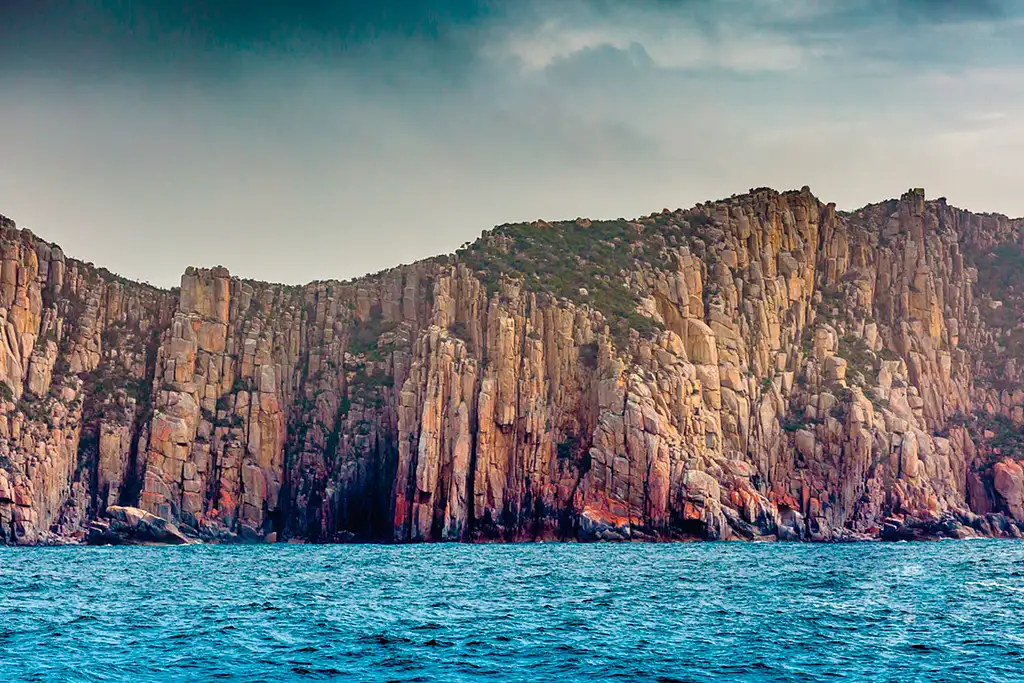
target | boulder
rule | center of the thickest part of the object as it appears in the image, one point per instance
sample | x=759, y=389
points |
x=131, y=526
x=1008, y=479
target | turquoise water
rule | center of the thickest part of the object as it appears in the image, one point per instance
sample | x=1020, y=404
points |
x=951, y=611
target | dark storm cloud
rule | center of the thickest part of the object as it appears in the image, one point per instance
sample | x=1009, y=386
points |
x=218, y=38
x=235, y=24
x=200, y=35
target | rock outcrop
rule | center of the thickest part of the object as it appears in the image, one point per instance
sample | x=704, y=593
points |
x=132, y=526
x=762, y=367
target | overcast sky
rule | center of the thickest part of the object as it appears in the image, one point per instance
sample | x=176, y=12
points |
x=296, y=140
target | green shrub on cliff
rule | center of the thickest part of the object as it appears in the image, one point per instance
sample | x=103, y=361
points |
x=861, y=362
x=366, y=336
x=588, y=355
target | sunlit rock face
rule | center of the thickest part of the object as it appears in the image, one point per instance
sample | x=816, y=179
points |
x=758, y=367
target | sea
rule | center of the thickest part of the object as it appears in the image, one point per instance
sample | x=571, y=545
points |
x=944, y=611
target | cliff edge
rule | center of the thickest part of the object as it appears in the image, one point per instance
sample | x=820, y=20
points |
x=761, y=367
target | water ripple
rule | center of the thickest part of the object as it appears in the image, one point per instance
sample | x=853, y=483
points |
x=564, y=612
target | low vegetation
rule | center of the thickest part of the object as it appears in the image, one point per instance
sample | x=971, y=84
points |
x=588, y=262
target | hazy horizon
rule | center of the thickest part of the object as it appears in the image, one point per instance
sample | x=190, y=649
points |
x=318, y=140
x=445, y=251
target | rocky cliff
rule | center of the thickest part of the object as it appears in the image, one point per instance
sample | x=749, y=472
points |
x=758, y=367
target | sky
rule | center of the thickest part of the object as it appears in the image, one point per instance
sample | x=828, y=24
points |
x=300, y=140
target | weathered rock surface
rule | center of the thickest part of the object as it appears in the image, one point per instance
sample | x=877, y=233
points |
x=132, y=526
x=762, y=367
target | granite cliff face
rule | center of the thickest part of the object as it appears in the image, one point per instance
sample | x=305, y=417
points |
x=758, y=367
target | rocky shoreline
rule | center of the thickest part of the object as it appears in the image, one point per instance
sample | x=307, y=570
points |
x=128, y=526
